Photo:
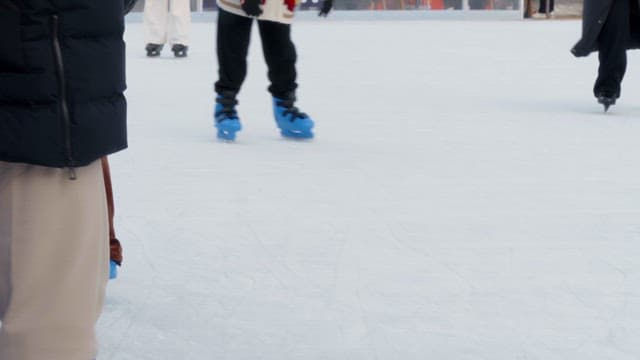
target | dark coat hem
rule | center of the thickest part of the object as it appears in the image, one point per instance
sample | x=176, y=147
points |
x=62, y=163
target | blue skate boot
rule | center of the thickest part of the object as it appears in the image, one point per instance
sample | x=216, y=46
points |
x=226, y=116
x=113, y=270
x=291, y=122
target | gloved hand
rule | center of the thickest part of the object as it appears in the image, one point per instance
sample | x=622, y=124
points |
x=251, y=7
x=325, y=8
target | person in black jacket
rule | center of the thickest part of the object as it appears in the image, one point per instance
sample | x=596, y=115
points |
x=610, y=27
x=62, y=109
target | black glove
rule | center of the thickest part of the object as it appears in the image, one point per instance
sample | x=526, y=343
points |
x=252, y=7
x=325, y=8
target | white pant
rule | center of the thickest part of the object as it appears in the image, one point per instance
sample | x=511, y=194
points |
x=167, y=21
x=53, y=261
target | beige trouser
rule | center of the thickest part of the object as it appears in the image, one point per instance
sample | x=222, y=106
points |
x=167, y=21
x=53, y=261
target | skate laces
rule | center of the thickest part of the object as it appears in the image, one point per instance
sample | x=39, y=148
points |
x=290, y=109
x=228, y=109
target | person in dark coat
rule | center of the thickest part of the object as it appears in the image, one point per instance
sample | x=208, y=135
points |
x=610, y=27
x=62, y=109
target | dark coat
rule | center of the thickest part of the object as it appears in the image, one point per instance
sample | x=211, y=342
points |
x=62, y=78
x=594, y=15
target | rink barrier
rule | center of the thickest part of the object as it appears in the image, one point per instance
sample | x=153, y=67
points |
x=384, y=15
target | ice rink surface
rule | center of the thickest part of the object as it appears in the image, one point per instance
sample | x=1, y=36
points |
x=465, y=199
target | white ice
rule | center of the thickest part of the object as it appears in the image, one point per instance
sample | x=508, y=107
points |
x=465, y=199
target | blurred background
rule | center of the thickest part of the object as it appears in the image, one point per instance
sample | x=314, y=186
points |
x=562, y=8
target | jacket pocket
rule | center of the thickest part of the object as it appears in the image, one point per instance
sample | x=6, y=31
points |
x=11, y=56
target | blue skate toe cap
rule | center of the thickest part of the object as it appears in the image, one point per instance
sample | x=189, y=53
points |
x=228, y=128
x=229, y=125
x=302, y=124
x=113, y=270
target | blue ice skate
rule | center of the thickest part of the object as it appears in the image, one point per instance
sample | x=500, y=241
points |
x=113, y=270
x=292, y=123
x=226, y=116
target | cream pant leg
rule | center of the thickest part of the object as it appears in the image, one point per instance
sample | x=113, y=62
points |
x=167, y=21
x=53, y=261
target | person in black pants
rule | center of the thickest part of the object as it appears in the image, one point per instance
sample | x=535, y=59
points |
x=613, y=53
x=610, y=27
x=542, y=9
x=234, y=33
x=274, y=17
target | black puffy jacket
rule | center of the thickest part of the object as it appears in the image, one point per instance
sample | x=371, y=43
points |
x=62, y=78
x=594, y=15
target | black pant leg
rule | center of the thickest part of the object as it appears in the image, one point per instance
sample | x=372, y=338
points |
x=612, y=43
x=543, y=6
x=280, y=55
x=234, y=34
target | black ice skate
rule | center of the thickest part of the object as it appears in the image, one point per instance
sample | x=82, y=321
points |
x=606, y=100
x=179, y=50
x=153, y=50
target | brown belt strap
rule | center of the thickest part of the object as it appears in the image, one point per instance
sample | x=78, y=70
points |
x=114, y=245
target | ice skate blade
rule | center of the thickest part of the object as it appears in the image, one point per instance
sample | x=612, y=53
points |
x=296, y=135
x=606, y=102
